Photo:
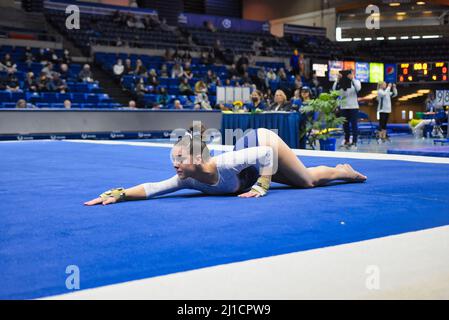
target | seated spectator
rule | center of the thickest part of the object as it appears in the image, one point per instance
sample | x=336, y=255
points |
x=22, y=104
x=85, y=74
x=118, y=69
x=316, y=87
x=165, y=27
x=168, y=55
x=30, y=82
x=64, y=72
x=164, y=71
x=219, y=50
x=178, y=105
x=212, y=78
x=142, y=89
x=282, y=76
x=162, y=99
x=202, y=101
x=187, y=57
x=256, y=102
x=12, y=84
x=7, y=64
x=28, y=57
x=53, y=56
x=246, y=80
x=271, y=76
x=57, y=84
x=128, y=67
x=177, y=71
x=42, y=56
x=132, y=104
x=296, y=101
x=210, y=26
x=185, y=88
x=187, y=71
x=232, y=72
x=43, y=83
x=67, y=104
x=140, y=70
x=48, y=70
x=152, y=78
x=298, y=81
x=204, y=59
x=268, y=96
x=66, y=57
x=260, y=79
x=242, y=64
x=119, y=42
x=280, y=102
x=139, y=23
x=200, y=87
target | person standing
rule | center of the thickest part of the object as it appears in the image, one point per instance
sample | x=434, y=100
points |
x=384, y=94
x=348, y=88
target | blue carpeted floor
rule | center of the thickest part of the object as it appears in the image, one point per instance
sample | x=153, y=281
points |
x=44, y=227
x=436, y=151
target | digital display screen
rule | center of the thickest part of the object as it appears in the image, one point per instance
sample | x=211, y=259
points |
x=376, y=72
x=423, y=72
x=334, y=69
x=362, y=71
x=320, y=69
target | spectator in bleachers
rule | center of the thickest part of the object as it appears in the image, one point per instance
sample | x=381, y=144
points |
x=22, y=104
x=260, y=79
x=164, y=71
x=200, y=87
x=246, y=79
x=177, y=104
x=42, y=56
x=66, y=57
x=162, y=99
x=242, y=64
x=118, y=69
x=53, y=56
x=185, y=88
x=202, y=101
x=257, y=103
x=139, y=23
x=168, y=55
x=268, y=96
x=85, y=74
x=210, y=26
x=140, y=70
x=187, y=71
x=316, y=87
x=28, y=56
x=280, y=102
x=270, y=76
x=204, y=59
x=257, y=46
x=48, y=70
x=282, y=75
x=132, y=104
x=298, y=82
x=30, y=83
x=165, y=27
x=187, y=57
x=67, y=104
x=128, y=67
x=219, y=50
x=152, y=79
x=57, y=84
x=119, y=42
x=12, y=84
x=177, y=71
x=64, y=72
x=233, y=72
x=296, y=101
x=43, y=83
x=141, y=89
x=7, y=64
x=212, y=78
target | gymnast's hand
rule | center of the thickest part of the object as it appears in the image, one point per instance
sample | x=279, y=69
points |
x=249, y=194
x=99, y=200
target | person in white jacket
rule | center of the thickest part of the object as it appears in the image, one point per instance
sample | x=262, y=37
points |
x=349, y=107
x=384, y=94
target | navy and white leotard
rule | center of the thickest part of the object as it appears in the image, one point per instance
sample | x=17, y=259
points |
x=238, y=170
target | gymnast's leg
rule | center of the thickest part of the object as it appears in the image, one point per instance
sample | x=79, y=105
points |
x=291, y=171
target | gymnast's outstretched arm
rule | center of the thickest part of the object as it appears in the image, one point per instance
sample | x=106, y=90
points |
x=139, y=192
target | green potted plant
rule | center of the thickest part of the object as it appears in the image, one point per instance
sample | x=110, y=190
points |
x=324, y=119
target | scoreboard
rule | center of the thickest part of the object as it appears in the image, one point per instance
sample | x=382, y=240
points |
x=422, y=72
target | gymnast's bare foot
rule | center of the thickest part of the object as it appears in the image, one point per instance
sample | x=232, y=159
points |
x=352, y=175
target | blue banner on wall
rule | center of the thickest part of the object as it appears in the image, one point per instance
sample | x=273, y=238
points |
x=390, y=72
x=223, y=23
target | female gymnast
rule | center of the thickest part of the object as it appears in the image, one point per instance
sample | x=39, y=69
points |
x=259, y=157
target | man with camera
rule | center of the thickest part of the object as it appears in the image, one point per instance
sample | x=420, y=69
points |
x=348, y=87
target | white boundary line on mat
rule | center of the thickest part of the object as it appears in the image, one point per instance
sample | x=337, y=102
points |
x=408, y=266
x=298, y=152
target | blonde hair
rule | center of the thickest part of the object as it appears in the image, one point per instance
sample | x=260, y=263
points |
x=282, y=93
